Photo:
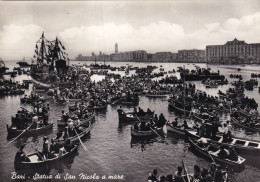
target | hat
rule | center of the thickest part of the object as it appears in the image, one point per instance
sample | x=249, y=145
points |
x=45, y=138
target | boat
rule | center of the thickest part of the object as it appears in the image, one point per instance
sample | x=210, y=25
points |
x=171, y=128
x=131, y=116
x=89, y=119
x=156, y=95
x=98, y=108
x=241, y=145
x=178, y=109
x=37, y=131
x=85, y=130
x=150, y=133
x=36, y=160
x=239, y=123
x=212, y=151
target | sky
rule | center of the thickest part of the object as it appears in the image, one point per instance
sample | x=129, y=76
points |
x=92, y=26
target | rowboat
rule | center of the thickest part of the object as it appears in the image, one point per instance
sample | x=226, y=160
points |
x=156, y=95
x=40, y=83
x=241, y=145
x=74, y=100
x=37, y=131
x=131, y=116
x=150, y=133
x=36, y=160
x=171, y=128
x=89, y=119
x=213, y=151
x=178, y=109
x=243, y=125
x=98, y=108
x=85, y=130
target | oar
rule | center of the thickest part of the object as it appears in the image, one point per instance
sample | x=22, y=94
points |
x=21, y=133
x=208, y=152
x=186, y=171
x=84, y=147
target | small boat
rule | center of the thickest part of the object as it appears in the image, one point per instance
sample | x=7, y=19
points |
x=213, y=152
x=98, y=108
x=155, y=95
x=74, y=100
x=85, y=130
x=171, y=128
x=89, y=119
x=241, y=145
x=237, y=122
x=131, y=116
x=41, y=83
x=36, y=160
x=37, y=131
x=150, y=133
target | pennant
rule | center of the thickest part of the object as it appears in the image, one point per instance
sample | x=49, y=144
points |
x=63, y=47
x=36, y=46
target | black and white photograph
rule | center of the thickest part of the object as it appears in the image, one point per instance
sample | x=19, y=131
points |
x=130, y=91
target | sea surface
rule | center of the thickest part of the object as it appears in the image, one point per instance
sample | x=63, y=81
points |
x=110, y=149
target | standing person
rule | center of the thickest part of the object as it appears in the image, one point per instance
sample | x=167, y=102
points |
x=45, y=147
x=225, y=133
x=229, y=134
x=196, y=174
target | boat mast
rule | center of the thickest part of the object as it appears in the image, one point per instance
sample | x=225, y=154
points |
x=184, y=88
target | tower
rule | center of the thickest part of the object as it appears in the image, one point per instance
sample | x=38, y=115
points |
x=116, y=48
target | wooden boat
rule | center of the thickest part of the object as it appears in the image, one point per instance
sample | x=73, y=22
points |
x=98, y=108
x=241, y=145
x=74, y=100
x=124, y=102
x=131, y=116
x=89, y=119
x=213, y=151
x=178, y=109
x=40, y=83
x=84, y=132
x=36, y=160
x=150, y=133
x=171, y=128
x=247, y=114
x=233, y=119
x=37, y=131
x=156, y=95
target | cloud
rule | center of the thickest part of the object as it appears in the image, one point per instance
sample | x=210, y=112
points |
x=19, y=41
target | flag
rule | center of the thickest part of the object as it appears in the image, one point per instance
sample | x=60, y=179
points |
x=63, y=47
x=36, y=46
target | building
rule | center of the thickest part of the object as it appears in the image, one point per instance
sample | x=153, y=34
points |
x=116, y=48
x=138, y=55
x=162, y=57
x=192, y=55
x=234, y=52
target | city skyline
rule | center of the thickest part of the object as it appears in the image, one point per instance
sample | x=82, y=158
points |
x=86, y=27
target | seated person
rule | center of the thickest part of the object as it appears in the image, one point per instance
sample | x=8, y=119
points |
x=222, y=152
x=232, y=154
x=68, y=146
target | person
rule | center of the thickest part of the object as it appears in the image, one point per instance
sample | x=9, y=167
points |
x=68, y=146
x=225, y=133
x=232, y=154
x=175, y=124
x=185, y=124
x=45, y=147
x=229, y=134
x=213, y=169
x=196, y=174
x=218, y=174
x=21, y=156
x=153, y=177
x=54, y=149
x=177, y=175
x=222, y=152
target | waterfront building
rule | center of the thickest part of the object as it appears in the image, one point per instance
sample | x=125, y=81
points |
x=234, y=52
x=162, y=57
x=192, y=55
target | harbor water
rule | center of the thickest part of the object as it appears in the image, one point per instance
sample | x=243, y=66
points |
x=111, y=151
